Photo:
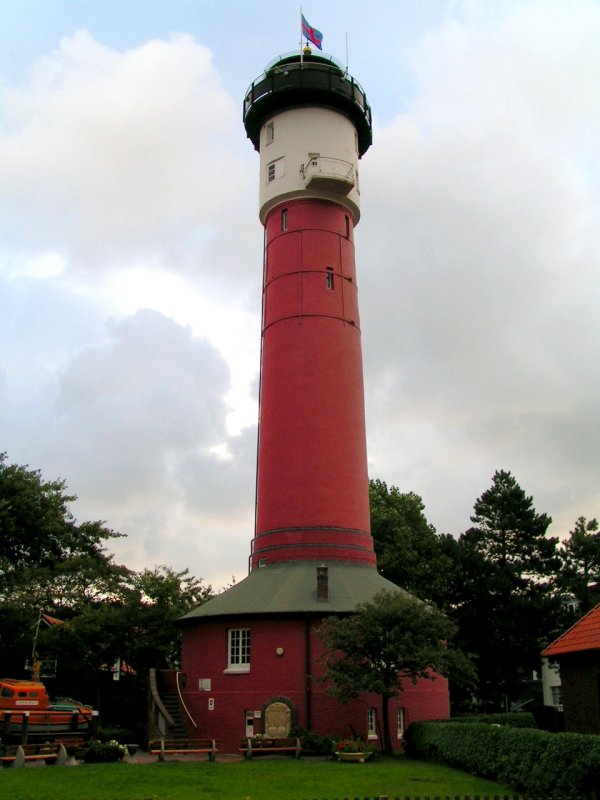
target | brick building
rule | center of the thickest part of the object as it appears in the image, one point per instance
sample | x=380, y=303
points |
x=577, y=652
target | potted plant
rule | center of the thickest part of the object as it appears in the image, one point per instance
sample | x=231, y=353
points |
x=353, y=750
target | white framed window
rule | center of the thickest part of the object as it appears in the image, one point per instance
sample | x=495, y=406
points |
x=400, y=722
x=275, y=169
x=269, y=132
x=238, y=648
x=372, y=723
x=284, y=219
x=557, y=696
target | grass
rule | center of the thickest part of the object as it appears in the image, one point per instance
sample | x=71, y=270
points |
x=261, y=779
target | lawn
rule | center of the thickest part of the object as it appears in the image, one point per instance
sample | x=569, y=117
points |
x=261, y=779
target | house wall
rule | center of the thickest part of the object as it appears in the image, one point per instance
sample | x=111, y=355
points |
x=580, y=674
x=221, y=712
x=551, y=684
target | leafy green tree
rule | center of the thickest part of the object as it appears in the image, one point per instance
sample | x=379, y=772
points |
x=579, y=575
x=505, y=605
x=409, y=551
x=160, y=597
x=49, y=562
x=139, y=630
x=47, y=558
x=393, y=637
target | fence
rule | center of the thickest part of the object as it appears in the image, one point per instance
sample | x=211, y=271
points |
x=592, y=796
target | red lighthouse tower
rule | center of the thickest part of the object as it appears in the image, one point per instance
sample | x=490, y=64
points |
x=310, y=123
x=251, y=656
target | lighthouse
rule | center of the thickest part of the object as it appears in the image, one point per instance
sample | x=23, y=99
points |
x=251, y=656
x=310, y=123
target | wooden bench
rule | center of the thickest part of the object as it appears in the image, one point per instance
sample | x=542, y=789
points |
x=164, y=747
x=72, y=744
x=266, y=744
x=15, y=755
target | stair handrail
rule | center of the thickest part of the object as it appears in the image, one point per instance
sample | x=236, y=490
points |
x=157, y=701
x=181, y=700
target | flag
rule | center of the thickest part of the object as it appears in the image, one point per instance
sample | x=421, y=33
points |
x=312, y=34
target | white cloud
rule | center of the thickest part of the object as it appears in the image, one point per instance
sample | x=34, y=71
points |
x=140, y=419
x=480, y=237
x=121, y=156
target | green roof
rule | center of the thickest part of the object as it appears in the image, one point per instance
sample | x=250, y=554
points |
x=292, y=587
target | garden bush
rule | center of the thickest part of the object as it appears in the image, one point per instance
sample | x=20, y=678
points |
x=529, y=760
x=312, y=743
x=97, y=752
x=518, y=719
x=117, y=734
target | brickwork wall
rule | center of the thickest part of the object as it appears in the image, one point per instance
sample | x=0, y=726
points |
x=274, y=676
x=580, y=676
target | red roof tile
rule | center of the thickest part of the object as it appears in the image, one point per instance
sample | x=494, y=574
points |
x=583, y=635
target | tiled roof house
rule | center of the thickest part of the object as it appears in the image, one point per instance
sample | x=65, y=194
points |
x=577, y=651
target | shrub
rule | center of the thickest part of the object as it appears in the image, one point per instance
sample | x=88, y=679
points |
x=117, y=734
x=313, y=744
x=97, y=752
x=529, y=760
x=518, y=719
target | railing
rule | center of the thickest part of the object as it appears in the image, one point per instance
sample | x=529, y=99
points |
x=160, y=718
x=592, y=796
x=308, y=75
x=323, y=57
x=182, y=703
x=327, y=167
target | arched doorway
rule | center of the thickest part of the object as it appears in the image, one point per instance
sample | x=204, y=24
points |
x=278, y=719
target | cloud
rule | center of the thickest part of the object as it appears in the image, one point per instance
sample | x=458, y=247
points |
x=140, y=420
x=480, y=234
x=120, y=157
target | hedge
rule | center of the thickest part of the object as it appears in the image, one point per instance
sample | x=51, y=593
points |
x=518, y=719
x=529, y=760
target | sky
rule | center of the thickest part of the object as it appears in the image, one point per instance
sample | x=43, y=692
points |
x=131, y=257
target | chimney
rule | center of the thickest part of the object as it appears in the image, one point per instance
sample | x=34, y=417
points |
x=322, y=582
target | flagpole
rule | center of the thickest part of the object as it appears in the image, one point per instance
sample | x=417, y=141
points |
x=301, y=51
x=346, y=52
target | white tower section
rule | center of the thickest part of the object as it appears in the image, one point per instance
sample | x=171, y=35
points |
x=311, y=123
x=309, y=152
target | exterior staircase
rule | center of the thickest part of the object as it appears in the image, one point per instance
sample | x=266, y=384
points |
x=165, y=715
x=171, y=703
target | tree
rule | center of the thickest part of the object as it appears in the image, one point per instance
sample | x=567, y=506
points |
x=160, y=597
x=47, y=558
x=579, y=575
x=409, y=551
x=139, y=630
x=506, y=607
x=50, y=562
x=391, y=638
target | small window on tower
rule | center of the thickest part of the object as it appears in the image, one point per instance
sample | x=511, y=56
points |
x=269, y=132
x=347, y=223
x=284, y=219
x=329, y=278
x=275, y=169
